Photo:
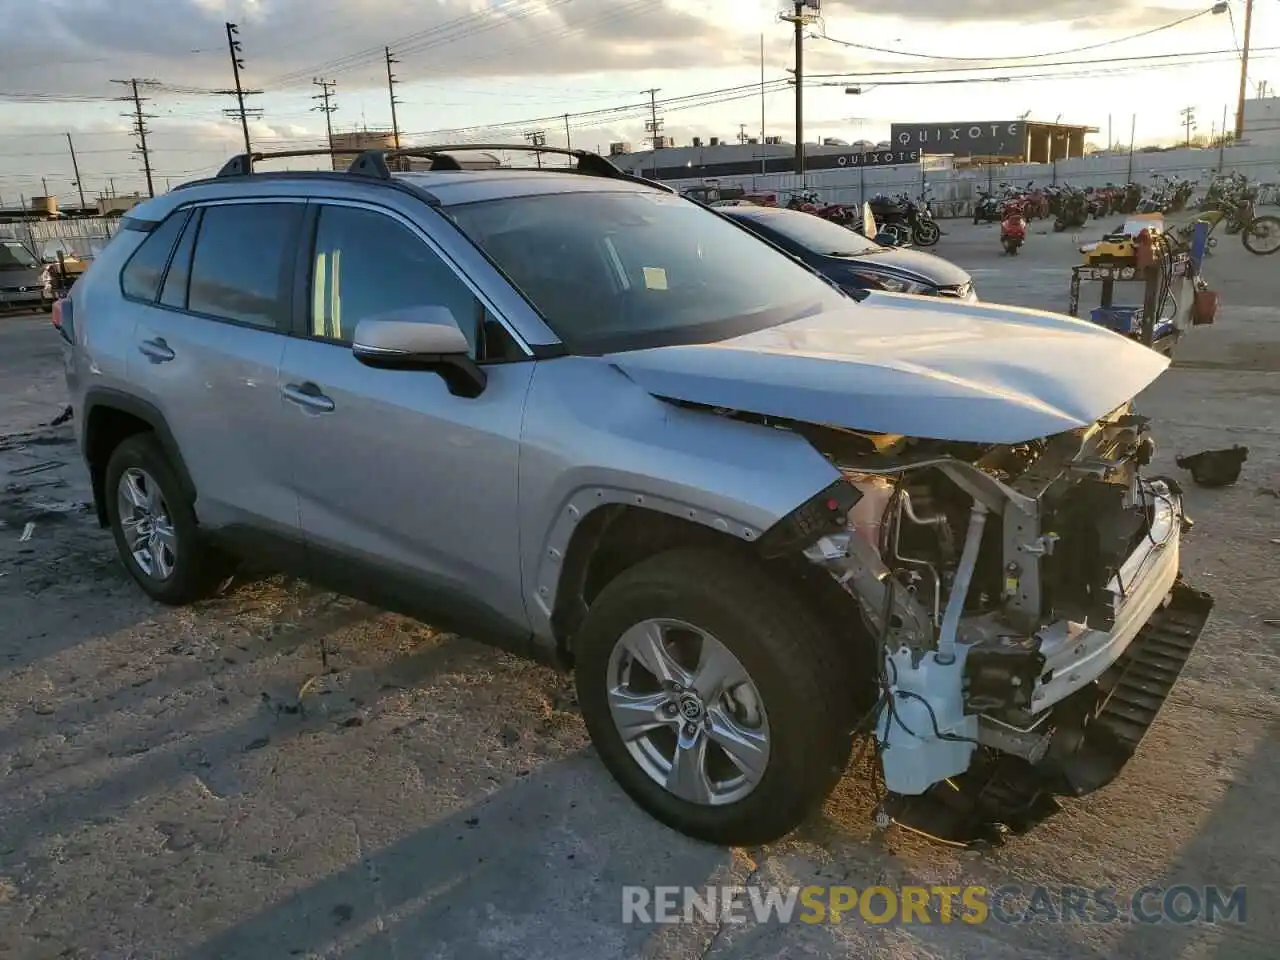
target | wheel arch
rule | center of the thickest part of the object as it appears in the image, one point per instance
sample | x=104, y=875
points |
x=111, y=417
x=617, y=535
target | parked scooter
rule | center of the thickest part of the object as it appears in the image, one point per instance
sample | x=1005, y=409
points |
x=1013, y=228
x=987, y=209
x=1074, y=211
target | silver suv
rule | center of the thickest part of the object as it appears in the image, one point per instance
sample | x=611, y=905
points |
x=571, y=412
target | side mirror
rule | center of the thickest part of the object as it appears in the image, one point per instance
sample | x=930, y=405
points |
x=433, y=342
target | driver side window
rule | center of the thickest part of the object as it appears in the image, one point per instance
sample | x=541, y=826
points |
x=366, y=264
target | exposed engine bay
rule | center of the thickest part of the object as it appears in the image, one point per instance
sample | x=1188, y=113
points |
x=1026, y=611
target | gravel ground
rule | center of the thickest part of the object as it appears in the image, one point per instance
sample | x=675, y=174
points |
x=165, y=793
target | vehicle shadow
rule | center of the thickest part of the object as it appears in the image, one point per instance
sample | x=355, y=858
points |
x=164, y=752
x=536, y=868
x=1225, y=854
x=150, y=668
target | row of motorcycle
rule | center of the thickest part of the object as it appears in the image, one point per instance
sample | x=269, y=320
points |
x=1074, y=206
x=899, y=220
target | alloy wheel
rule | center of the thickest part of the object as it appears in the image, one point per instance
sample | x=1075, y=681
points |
x=146, y=524
x=688, y=712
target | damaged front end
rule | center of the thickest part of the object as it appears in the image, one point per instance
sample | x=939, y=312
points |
x=1026, y=608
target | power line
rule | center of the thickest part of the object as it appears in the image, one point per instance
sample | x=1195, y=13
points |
x=447, y=32
x=1029, y=56
x=1061, y=63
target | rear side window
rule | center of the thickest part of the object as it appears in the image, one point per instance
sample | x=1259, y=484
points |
x=174, y=293
x=243, y=260
x=145, y=269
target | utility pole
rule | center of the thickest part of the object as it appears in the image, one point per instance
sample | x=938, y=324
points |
x=800, y=19
x=568, y=137
x=75, y=166
x=239, y=111
x=654, y=127
x=44, y=182
x=391, y=91
x=1133, y=132
x=536, y=138
x=1244, y=68
x=764, y=154
x=1188, y=121
x=139, y=126
x=326, y=94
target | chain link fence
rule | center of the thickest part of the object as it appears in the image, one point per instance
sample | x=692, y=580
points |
x=952, y=192
x=81, y=239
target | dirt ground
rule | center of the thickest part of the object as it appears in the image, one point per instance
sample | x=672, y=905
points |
x=164, y=792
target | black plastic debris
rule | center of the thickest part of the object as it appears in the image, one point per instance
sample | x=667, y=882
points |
x=63, y=417
x=1215, y=468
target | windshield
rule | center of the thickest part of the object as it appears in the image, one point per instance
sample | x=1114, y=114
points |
x=629, y=270
x=14, y=254
x=813, y=233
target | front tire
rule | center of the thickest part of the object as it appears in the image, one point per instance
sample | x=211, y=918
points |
x=714, y=696
x=926, y=233
x=1262, y=230
x=154, y=525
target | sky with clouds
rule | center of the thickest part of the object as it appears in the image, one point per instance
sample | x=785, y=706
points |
x=515, y=65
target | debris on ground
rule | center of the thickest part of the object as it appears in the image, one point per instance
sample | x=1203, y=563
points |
x=27, y=531
x=1215, y=468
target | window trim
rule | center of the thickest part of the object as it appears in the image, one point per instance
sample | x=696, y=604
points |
x=305, y=268
x=198, y=208
x=185, y=213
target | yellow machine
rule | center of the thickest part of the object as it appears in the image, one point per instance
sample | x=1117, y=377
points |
x=1120, y=249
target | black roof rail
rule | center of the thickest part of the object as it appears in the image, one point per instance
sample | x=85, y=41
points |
x=241, y=165
x=373, y=163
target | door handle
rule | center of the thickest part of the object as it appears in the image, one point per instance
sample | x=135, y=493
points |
x=307, y=395
x=157, y=351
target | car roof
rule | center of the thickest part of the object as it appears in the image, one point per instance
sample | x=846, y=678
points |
x=439, y=188
x=453, y=187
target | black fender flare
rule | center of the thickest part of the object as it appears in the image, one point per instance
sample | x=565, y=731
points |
x=105, y=398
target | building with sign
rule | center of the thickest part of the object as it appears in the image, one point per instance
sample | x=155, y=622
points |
x=718, y=159
x=1009, y=141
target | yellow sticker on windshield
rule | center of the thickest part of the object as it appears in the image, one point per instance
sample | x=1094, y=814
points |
x=655, y=278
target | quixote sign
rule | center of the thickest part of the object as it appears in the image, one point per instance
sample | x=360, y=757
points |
x=981, y=138
x=875, y=158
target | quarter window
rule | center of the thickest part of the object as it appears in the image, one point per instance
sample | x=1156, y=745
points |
x=243, y=262
x=367, y=265
x=145, y=269
x=174, y=292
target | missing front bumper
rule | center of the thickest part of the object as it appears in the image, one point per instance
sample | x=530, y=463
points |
x=1096, y=734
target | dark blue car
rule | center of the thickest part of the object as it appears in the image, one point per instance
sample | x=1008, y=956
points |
x=850, y=259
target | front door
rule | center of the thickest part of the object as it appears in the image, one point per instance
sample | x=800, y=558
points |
x=407, y=493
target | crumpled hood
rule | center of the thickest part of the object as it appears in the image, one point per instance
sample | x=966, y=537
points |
x=939, y=369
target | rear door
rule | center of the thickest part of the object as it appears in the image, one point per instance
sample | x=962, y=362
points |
x=209, y=341
x=407, y=493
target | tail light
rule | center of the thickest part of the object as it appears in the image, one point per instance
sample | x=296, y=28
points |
x=62, y=319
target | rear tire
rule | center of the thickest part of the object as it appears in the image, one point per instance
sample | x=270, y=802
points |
x=174, y=566
x=794, y=668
